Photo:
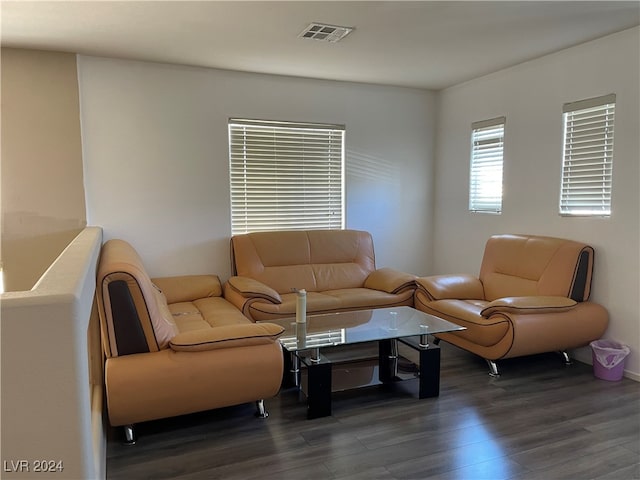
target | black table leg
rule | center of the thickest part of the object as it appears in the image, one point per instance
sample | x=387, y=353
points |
x=387, y=360
x=429, y=371
x=318, y=388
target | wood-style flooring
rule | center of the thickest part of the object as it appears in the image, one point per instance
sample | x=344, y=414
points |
x=539, y=420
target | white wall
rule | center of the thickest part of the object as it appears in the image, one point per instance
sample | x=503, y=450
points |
x=42, y=193
x=155, y=150
x=531, y=96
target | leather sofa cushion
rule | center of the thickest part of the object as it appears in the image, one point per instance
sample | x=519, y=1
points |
x=520, y=265
x=228, y=336
x=525, y=305
x=330, y=301
x=206, y=313
x=316, y=260
x=189, y=287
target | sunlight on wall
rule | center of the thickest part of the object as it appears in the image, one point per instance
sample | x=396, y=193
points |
x=370, y=167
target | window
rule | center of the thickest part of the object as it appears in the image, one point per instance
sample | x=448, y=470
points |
x=587, y=157
x=285, y=176
x=485, y=180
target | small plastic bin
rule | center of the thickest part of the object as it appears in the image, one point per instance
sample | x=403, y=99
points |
x=608, y=359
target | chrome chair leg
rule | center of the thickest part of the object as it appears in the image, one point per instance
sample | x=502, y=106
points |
x=493, y=368
x=130, y=437
x=565, y=357
x=262, y=411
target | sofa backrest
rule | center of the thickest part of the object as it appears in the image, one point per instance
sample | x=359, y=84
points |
x=315, y=260
x=523, y=265
x=134, y=315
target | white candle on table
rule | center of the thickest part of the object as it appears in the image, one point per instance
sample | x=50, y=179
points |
x=301, y=306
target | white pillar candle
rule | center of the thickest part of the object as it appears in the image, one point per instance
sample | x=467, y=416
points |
x=301, y=334
x=301, y=306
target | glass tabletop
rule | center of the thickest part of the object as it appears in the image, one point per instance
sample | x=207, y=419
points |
x=359, y=326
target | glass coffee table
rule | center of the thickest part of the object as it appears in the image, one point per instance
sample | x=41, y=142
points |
x=306, y=343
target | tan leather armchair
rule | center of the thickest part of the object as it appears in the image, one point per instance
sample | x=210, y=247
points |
x=530, y=297
x=174, y=346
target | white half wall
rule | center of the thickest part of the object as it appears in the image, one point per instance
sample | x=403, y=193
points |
x=531, y=96
x=155, y=149
x=52, y=384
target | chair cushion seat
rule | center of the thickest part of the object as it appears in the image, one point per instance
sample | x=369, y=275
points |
x=205, y=313
x=331, y=301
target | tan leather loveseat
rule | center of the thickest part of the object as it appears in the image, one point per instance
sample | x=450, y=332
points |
x=336, y=268
x=174, y=346
x=531, y=297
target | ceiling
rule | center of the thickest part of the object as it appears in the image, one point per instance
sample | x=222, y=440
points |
x=419, y=44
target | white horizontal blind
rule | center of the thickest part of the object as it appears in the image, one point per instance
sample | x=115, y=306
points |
x=285, y=176
x=587, y=157
x=485, y=180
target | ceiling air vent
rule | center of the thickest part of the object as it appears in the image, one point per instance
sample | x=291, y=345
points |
x=325, y=33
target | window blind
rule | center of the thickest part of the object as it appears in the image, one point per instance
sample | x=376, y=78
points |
x=587, y=159
x=285, y=176
x=485, y=179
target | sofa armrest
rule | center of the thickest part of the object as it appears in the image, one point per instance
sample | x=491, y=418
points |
x=227, y=336
x=187, y=288
x=390, y=280
x=460, y=287
x=528, y=305
x=251, y=288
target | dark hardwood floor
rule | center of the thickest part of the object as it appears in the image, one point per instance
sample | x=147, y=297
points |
x=539, y=420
